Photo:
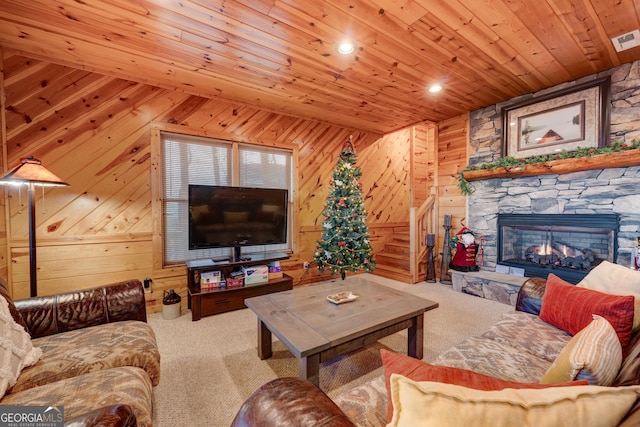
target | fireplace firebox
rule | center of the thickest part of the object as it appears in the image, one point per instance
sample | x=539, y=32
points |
x=568, y=246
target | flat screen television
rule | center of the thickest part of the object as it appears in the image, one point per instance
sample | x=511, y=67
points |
x=224, y=216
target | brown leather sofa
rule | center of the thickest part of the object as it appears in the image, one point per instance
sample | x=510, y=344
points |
x=296, y=402
x=100, y=358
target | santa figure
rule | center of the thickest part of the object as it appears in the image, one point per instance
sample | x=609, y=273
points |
x=466, y=251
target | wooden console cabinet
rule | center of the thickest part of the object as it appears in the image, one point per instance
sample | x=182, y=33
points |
x=208, y=302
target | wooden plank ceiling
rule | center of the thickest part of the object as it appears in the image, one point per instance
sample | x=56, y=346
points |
x=279, y=55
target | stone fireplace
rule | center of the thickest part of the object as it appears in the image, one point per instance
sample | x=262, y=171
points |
x=608, y=191
x=601, y=193
x=611, y=191
x=568, y=246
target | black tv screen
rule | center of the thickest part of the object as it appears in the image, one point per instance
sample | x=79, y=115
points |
x=222, y=216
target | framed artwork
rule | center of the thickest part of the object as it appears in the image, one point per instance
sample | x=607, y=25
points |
x=571, y=118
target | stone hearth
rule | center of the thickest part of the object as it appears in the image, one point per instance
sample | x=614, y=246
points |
x=485, y=284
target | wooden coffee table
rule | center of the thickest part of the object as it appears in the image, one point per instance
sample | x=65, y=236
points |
x=316, y=330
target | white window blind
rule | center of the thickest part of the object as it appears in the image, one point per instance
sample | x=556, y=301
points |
x=207, y=161
x=264, y=167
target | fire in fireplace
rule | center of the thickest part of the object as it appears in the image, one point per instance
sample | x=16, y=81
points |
x=568, y=246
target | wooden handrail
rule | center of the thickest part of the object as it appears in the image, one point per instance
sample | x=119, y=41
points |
x=422, y=221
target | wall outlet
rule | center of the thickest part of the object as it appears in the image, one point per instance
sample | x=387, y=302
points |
x=306, y=265
x=147, y=286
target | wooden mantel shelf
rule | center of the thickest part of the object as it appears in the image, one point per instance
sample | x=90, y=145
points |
x=620, y=159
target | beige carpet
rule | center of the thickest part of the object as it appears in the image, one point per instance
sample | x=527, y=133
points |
x=210, y=367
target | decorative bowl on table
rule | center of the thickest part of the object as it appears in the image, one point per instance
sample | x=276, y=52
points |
x=342, y=297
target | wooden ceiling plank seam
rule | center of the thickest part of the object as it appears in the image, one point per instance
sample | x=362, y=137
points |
x=486, y=73
x=316, y=26
x=386, y=45
x=455, y=15
x=257, y=36
x=580, y=23
x=407, y=12
x=400, y=38
x=512, y=25
x=173, y=49
x=371, y=93
x=300, y=110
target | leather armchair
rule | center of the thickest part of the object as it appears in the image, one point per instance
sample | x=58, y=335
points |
x=290, y=402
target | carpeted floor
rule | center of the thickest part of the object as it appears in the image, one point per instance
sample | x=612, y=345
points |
x=211, y=366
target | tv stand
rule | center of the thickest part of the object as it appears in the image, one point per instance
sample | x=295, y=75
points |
x=208, y=302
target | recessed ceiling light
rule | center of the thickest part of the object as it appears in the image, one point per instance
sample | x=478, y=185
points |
x=435, y=88
x=346, y=47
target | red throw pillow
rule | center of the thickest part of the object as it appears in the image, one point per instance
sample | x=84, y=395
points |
x=571, y=308
x=417, y=370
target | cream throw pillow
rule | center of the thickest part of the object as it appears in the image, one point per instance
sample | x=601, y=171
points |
x=426, y=403
x=16, y=350
x=593, y=354
x=615, y=279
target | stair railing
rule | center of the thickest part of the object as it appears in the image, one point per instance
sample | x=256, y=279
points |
x=423, y=221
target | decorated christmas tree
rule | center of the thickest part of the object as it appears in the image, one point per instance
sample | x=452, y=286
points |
x=345, y=242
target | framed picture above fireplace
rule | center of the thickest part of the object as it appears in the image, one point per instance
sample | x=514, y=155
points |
x=567, y=119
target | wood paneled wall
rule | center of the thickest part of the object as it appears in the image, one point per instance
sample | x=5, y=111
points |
x=94, y=132
x=425, y=162
x=453, y=146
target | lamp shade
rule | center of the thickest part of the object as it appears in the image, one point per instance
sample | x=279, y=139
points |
x=31, y=171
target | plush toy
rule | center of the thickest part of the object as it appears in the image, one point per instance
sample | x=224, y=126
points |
x=466, y=251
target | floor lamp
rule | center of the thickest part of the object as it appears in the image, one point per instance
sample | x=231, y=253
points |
x=31, y=173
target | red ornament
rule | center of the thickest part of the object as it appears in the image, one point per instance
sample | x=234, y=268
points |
x=342, y=243
x=355, y=214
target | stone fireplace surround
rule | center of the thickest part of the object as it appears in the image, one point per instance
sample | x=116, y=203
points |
x=606, y=191
x=600, y=191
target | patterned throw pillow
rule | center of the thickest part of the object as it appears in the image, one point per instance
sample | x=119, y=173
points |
x=428, y=403
x=570, y=308
x=16, y=350
x=593, y=354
